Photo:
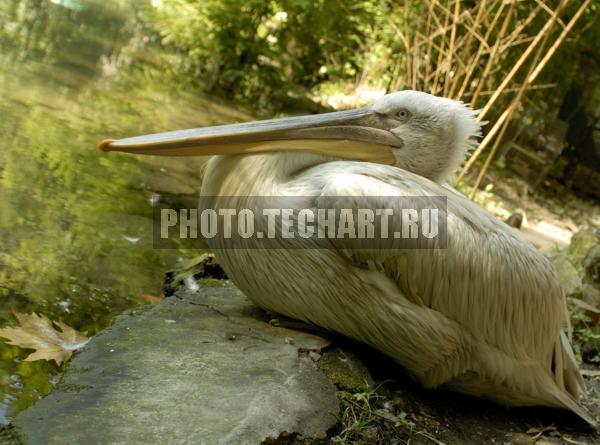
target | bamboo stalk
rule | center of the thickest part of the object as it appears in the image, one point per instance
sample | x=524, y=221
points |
x=451, y=48
x=521, y=26
x=492, y=58
x=509, y=77
x=438, y=70
x=408, y=45
x=532, y=75
x=588, y=25
x=512, y=90
x=477, y=57
x=415, y=59
x=511, y=109
x=546, y=8
x=558, y=42
x=429, y=46
x=490, y=157
x=472, y=31
x=513, y=43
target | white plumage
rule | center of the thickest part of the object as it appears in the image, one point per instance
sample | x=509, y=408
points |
x=482, y=317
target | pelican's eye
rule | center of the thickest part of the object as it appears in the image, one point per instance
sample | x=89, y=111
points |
x=402, y=115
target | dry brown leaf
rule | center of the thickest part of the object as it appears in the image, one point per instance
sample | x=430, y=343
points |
x=151, y=299
x=37, y=332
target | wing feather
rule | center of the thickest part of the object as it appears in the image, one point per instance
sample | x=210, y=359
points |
x=497, y=287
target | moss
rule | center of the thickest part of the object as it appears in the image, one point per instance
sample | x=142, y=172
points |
x=345, y=370
x=212, y=282
x=581, y=243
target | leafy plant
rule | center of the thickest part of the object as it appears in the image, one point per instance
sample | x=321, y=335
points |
x=586, y=334
x=265, y=50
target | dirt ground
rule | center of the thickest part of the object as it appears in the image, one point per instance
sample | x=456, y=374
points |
x=552, y=213
x=444, y=417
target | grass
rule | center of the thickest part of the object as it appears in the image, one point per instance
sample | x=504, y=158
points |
x=369, y=417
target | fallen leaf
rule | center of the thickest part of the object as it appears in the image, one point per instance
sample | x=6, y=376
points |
x=38, y=332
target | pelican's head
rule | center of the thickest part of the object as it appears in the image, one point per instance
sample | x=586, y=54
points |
x=418, y=132
x=436, y=132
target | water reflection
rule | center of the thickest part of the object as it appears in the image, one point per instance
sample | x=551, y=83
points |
x=75, y=226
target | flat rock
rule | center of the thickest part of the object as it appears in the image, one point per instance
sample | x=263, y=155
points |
x=201, y=367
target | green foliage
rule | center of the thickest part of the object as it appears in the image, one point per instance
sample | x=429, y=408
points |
x=265, y=50
x=357, y=415
x=586, y=335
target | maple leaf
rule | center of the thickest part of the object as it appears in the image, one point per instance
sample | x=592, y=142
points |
x=39, y=333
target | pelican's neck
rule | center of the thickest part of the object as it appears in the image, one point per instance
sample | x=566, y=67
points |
x=257, y=174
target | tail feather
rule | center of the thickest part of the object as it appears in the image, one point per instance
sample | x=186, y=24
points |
x=574, y=383
x=568, y=380
x=569, y=403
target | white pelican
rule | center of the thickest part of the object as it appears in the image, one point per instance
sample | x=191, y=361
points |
x=482, y=317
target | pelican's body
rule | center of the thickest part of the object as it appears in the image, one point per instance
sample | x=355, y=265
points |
x=482, y=316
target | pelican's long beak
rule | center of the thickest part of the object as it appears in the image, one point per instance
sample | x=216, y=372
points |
x=359, y=134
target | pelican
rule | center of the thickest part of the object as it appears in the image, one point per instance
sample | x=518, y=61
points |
x=483, y=316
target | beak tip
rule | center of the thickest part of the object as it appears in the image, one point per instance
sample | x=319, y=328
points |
x=105, y=145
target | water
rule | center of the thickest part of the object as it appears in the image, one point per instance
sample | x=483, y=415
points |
x=75, y=224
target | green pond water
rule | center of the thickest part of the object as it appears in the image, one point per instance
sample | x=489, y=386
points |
x=75, y=224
